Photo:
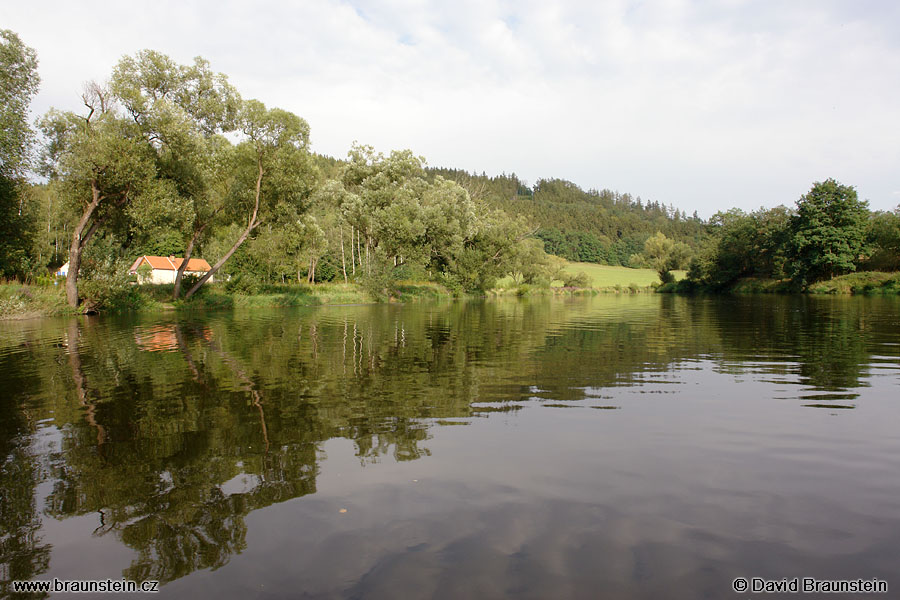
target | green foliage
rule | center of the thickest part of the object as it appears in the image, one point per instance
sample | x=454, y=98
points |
x=581, y=280
x=18, y=300
x=828, y=232
x=865, y=283
x=606, y=227
x=743, y=245
x=408, y=224
x=107, y=287
x=144, y=271
x=243, y=283
x=16, y=231
x=381, y=283
x=663, y=255
x=883, y=238
x=577, y=246
x=164, y=243
x=18, y=84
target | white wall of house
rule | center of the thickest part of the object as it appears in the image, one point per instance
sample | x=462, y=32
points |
x=166, y=276
x=162, y=276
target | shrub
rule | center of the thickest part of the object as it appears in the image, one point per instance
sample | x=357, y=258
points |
x=241, y=283
x=581, y=280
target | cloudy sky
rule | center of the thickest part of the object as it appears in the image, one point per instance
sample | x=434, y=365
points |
x=704, y=105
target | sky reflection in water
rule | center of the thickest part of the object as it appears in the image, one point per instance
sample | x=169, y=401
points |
x=637, y=447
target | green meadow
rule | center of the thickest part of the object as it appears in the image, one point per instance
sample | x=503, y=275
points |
x=605, y=276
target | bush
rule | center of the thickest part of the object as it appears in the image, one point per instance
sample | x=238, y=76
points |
x=581, y=280
x=110, y=293
x=241, y=283
x=451, y=282
x=105, y=286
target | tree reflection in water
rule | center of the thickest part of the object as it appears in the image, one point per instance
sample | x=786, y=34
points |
x=173, y=430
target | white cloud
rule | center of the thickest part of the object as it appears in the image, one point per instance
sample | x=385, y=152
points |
x=702, y=105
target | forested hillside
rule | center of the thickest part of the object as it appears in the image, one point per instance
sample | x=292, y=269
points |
x=603, y=226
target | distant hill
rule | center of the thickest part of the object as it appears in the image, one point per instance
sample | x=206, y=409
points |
x=603, y=226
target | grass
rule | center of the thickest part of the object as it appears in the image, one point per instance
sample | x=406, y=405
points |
x=865, y=283
x=19, y=301
x=215, y=297
x=602, y=277
x=605, y=276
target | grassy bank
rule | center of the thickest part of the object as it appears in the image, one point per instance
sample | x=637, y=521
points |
x=19, y=301
x=308, y=295
x=864, y=283
x=867, y=283
x=26, y=301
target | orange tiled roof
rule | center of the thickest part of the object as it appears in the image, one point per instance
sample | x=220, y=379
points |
x=194, y=264
x=171, y=263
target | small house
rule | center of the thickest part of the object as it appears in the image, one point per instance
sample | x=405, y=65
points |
x=162, y=269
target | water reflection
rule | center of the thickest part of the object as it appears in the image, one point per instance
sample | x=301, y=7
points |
x=170, y=431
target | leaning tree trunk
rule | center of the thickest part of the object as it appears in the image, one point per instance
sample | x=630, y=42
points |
x=252, y=223
x=187, y=256
x=80, y=238
x=179, y=274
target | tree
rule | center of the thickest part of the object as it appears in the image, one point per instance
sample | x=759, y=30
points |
x=274, y=161
x=883, y=235
x=102, y=161
x=383, y=204
x=18, y=84
x=530, y=264
x=183, y=111
x=828, y=232
x=663, y=255
x=412, y=225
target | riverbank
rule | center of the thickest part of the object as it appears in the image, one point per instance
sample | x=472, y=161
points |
x=864, y=283
x=18, y=301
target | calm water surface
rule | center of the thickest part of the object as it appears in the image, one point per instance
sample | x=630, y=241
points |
x=620, y=447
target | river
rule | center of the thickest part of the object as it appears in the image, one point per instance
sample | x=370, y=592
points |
x=646, y=446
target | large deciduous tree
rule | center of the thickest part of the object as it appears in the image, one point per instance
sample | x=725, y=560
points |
x=410, y=225
x=18, y=84
x=102, y=162
x=271, y=164
x=828, y=232
x=183, y=111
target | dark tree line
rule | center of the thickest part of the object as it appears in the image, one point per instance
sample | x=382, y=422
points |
x=829, y=232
